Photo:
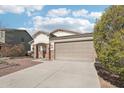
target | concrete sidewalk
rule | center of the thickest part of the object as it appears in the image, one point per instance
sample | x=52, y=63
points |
x=62, y=74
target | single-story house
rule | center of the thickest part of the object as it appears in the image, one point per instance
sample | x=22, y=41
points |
x=40, y=45
x=12, y=40
x=63, y=45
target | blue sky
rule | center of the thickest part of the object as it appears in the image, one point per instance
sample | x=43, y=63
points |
x=50, y=17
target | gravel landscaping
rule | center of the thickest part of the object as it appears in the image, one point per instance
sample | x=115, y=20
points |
x=107, y=78
x=10, y=65
x=105, y=84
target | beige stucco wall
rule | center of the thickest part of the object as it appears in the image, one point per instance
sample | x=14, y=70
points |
x=31, y=47
x=41, y=38
x=2, y=36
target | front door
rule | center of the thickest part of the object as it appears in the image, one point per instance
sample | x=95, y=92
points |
x=44, y=51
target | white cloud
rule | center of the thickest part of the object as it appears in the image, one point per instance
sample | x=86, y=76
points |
x=82, y=12
x=12, y=9
x=58, y=12
x=69, y=23
x=86, y=14
x=1, y=12
x=30, y=9
x=37, y=22
x=18, y=9
x=95, y=15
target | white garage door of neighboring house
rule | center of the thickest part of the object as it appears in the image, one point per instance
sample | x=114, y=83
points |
x=79, y=50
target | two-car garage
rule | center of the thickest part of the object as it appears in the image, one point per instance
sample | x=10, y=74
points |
x=74, y=48
x=78, y=50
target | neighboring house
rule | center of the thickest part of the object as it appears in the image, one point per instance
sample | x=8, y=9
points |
x=66, y=45
x=14, y=37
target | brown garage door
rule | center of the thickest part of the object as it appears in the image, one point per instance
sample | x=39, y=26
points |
x=81, y=51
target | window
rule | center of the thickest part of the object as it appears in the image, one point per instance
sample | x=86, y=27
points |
x=22, y=40
x=1, y=34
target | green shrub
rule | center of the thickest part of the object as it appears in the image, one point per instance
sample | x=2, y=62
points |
x=109, y=39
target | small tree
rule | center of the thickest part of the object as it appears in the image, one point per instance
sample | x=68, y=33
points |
x=109, y=39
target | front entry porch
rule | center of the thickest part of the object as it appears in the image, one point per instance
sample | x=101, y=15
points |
x=41, y=50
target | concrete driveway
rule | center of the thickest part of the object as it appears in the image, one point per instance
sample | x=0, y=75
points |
x=54, y=74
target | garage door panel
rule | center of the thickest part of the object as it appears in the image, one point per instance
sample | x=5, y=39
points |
x=81, y=50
